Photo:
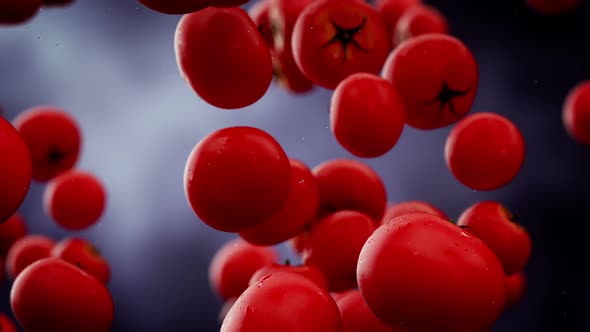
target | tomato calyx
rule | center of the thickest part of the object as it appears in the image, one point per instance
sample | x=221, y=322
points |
x=446, y=96
x=55, y=156
x=509, y=215
x=346, y=37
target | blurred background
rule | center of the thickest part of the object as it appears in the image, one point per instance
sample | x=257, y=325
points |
x=111, y=64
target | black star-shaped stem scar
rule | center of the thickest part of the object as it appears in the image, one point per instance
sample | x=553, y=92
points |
x=346, y=37
x=55, y=156
x=445, y=97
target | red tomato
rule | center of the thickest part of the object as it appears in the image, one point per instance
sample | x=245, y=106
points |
x=497, y=228
x=335, y=39
x=292, y=219
x=234, y=264
x=485, y=151
x=54, y=296
x=422, y=273
x=13, y=229
x=408, y=207
x=356, y=314
x=436, y=77
x=283, y=302
x=26, y=251
x=6, y=324
x=53, y=139
x=260, y=15
x=419, y=20
x=75, y=199
x=553, y=7
x=18, y=11
x=15, y=170
x=84, y=255
x=347, y=184
x=227, y=3
x=391, y=10
x=576, y=113
x=310, y=272
x=516, y=285
x=176, y=7
x=366, y=115
x=236, y=69
x=334, y=245
x=237, y=178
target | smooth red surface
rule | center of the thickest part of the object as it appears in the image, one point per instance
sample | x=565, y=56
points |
x=516, y=285
x=391, y=10
x=236, y=69
x=292, y=219
x=485, y=151
x=419, y=20
x=327, y=63
x=497, y=228
x=236, y=178
x=75, y=199
x=334, y=245
x=11, y=230
x=53, y=138
x=408, y=207
x=26, y=251
x=18, y=11
x=421, y=68
x=176, y=7
x=553, y=7
x=310, y=272
x=356, y=314
x=576, y=113
x=52, y=295
x=347, y=184
x=422, y=273
x=260, y=14
x=6, y=324
x=366, y=115
x=15, y=170
x=83, y=254
x=284, y=302
x=234, y=264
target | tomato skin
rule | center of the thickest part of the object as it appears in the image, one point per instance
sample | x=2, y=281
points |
x=310, y=272
x=408, y=207
x=227, y=3
x=366, y=115
x=176, y=7
x=422, y=273
x=84, y=255
x=576, y=113
x=347, y=184
x=485, y=151
x=419, y=20
x=234, y=264
x=223, y=76
x=260, y=15
x=6, y=324
x=52, y=295
x=75, y=199
x=356, y=314
x=26, y=251
x=436, y=76
x=391, y=10
x=15, y=170
x=18, y=12
x=516, y=289
x=236, y=178
x=53, y=139
x=334, y=245
x=325, y=59
x=302, y=205
x=10, y=231
x=553, y=7
x=286, y=302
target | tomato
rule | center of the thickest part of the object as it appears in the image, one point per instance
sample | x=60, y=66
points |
x=553, y=7
x=419, y=20
x=283, y=302
x=334, y=245
x=18, y=11
x=301, y=206
x=176, y=7
x=366, y=115
x=234, y=264
x=84, y=255
x=576, y=113
x=391, y=10
x=55, y=296
x=53, y=138
x=227, y=3
x=356, y=314
x=260, y=15
x=436, y=76
x=237, y=178
x=408, y=207
x=516, y=285
x=422, y=273
x=236, y=69
x=497, y=228
x=6, y=324
x=75, y=199
x=26, y=251
x=15, y=170
x=11, y=230
x=310, y=272
x=347, y=184
x=335, y=39
x=485, y=151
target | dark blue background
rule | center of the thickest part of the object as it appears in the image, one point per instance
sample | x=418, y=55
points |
x=111, y=64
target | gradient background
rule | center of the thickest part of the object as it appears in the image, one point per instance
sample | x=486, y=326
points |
x=111, y=64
